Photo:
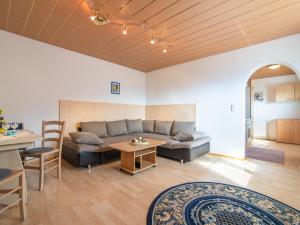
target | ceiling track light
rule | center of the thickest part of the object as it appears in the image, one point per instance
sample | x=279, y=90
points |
x=152, y=41
x=93, y=17
x=124, y=32
x=100, y=17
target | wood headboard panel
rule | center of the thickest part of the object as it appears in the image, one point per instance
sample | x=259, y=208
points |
x=180, y=112
x=74, y=112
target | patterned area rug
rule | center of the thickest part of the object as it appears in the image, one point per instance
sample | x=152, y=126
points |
x=218, y=204
x=264, y=154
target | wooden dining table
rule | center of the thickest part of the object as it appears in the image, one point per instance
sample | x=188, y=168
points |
x=9, y=154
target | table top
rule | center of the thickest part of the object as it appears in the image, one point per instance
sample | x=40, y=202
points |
x=23, y=136
x=126, y=146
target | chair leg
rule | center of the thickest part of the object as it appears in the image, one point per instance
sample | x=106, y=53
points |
x=59, y=168
x=22, y=196
x=23, y=158
x=42, y=172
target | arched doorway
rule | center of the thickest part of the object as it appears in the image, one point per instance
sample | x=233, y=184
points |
x=272, y=112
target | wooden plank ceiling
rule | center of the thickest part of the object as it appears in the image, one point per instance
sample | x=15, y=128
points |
x=194, y=28
x=265, y=72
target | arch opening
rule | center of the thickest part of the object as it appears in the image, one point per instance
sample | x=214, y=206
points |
x=272, y=101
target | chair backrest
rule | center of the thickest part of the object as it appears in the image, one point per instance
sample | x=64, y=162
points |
x=53, y=131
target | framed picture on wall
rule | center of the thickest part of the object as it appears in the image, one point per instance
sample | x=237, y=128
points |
x=115, y=88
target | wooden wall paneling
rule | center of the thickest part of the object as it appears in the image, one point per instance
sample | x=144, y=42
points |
x=283, y=131
x=194, y=55
x=18, y=15
x=40, y=10
x=197, y=24
x=143, y=42
x=75, y=19
x=4, y=13
x=112, y=34
x=196, y=28
x=179, y=112
x=160, y=13
x=221, y=24
x=202, y=49
x=74, y=112
x=62, y=11
x=222, y=46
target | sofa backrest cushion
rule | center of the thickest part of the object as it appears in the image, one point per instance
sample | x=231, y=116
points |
x=163, y=127
x=115, y=128
x=183, y=127
x=134, y=126
x=86, y=138
x=96, y=127
x=148, y=126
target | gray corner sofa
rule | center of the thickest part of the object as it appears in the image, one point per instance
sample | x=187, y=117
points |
x=181, y=144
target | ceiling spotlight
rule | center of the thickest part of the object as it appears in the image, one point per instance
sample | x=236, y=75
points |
x=99, y=19
x=165, y=50
x=124, y=29
x=274, y=66
x=152, y=41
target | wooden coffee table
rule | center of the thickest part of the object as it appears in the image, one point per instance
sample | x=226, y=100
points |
x=136, y=158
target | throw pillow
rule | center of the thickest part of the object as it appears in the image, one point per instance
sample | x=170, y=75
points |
x=98, y=128
x=134, y=126
x=86, y=138
x=163, y=127
x=148, y=126
x=115, y=128
x=183, y=127
x=183, y=137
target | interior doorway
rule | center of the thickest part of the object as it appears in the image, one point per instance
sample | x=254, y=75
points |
x=272, y=113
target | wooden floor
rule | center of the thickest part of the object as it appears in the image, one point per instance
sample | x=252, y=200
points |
x=108, y=196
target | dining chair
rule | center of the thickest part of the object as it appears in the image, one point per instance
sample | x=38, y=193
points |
x=49, y=156
x=8, y=176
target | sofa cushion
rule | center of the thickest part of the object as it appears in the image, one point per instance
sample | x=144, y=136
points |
x=116, y=128
x=98, y=128
x=181, y=136
x=183, y=127
x=134, y=126
x=148, y=126
x=68, y=142
x=168, y=139
x=191, y=144
x=86, y=138
x=163, y=127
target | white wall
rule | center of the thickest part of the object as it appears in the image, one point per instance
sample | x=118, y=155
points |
x=217, y=82
x=34, y=76
x=265, y=112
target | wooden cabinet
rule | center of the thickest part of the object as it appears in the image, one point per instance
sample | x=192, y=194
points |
x=297, y=91
x=295, y=132
x=283, y=131
x=288, y=131
x=285, y=93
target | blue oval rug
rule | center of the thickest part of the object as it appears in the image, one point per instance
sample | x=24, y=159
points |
x=218, y=204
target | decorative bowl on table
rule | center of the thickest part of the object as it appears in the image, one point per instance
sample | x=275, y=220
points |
x=139, y=141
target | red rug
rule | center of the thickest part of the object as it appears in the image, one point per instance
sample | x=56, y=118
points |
x=264, y=154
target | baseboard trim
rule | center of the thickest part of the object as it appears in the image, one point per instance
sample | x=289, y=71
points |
x=226, y=156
